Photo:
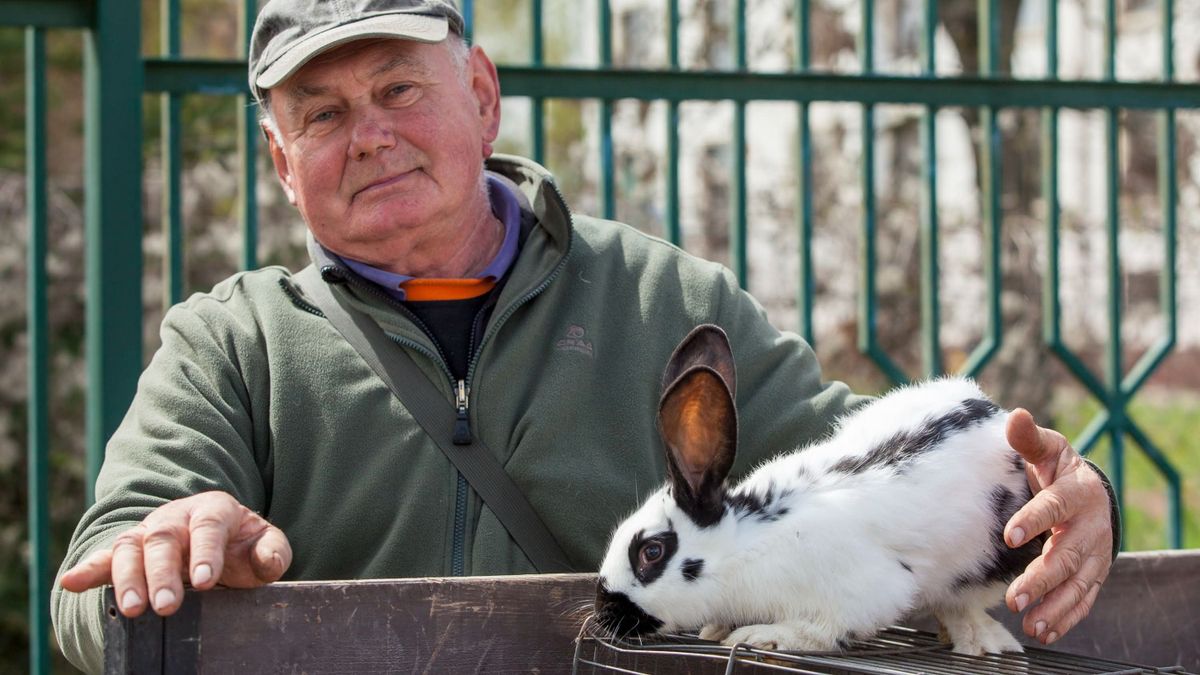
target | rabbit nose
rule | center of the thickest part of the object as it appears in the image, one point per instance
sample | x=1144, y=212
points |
x=619, y=615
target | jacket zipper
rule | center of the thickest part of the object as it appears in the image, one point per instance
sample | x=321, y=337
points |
x=460, y=510
x=461, y=391
x=462, y=423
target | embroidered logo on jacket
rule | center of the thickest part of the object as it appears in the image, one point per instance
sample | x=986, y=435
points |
x=574, y=341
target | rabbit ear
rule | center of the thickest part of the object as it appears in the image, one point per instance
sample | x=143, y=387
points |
x=698, y=423
x=706, y=345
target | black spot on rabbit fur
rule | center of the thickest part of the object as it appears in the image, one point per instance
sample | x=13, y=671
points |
x=692, y=568
x=1018, y=463
x=766, y=508
x=1005, y=563
x=908, y=444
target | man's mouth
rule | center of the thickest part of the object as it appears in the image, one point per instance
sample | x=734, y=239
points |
x=385, y=182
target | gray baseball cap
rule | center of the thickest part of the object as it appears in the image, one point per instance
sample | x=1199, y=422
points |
x=290, y=32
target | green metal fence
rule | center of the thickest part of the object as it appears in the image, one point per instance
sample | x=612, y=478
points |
x=117, y=77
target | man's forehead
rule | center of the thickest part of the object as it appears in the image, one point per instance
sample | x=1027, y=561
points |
x=376, y=56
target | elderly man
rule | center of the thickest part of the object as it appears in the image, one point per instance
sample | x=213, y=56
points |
x=261, y=445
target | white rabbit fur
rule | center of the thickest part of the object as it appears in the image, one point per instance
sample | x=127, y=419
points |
x=901, y=508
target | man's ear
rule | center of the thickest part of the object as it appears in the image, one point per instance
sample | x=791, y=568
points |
x=485, y=85
x=281, y=163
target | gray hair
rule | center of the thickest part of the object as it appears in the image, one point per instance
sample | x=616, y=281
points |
x=460, y=53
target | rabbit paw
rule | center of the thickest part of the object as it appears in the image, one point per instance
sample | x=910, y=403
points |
x=715, y=631
x=978, y=635
x=784, y=636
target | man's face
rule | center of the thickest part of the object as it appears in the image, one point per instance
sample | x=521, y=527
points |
x=383, y=143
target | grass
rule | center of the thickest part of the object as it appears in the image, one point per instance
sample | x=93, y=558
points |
x=1169, y=420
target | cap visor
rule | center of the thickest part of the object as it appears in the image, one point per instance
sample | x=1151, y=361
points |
x=418, y=27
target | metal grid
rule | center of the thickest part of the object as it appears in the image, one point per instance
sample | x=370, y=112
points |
x=895, y=651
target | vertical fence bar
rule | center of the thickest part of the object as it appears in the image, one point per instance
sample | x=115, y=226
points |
x=930, y=306
x=737, y=198
x=804, y=208
x=172, y=165
x=537, y=117
x=1051, y=302
x=1168, y=186
x=868, y=342
x=607, y=187
x=866, y=322
x=990, y=167
x=1113, y=366
x=248, y=150
x=113, y=210
x=38, y=337
x=468, y=13
x=1168, y=195
x=674, y=230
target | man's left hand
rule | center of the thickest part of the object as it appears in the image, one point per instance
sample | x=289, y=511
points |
x=1070, y=501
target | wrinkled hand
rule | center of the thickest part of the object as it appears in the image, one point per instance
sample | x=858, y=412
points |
x=211, y=535
x=1070, y=501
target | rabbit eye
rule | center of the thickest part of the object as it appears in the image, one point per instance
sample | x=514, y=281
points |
x=648, y=556
x=652, y=552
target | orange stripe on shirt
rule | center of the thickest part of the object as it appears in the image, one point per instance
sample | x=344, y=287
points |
x=418, y=290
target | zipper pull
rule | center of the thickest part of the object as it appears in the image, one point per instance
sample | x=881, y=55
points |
x=462, y=423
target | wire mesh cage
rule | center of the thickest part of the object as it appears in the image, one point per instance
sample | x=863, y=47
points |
x=894, y=651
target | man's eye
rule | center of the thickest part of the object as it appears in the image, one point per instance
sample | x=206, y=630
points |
x=399, y=90
x=652, y=552
x=324, y=116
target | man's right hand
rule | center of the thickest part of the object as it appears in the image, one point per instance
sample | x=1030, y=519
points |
x=207, y=538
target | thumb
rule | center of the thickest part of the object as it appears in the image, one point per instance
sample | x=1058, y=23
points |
x=271, y=555
x=93, y=571
x=1028, y=439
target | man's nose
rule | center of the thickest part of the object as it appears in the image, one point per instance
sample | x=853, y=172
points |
x=370, y=135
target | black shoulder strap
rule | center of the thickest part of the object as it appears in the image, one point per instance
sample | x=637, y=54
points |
x=437, y=416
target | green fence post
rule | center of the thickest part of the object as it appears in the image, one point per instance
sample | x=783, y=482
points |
x=1168, y=186
x=537, y=57
x=738, y=256
x=468, y=13
x=113, y=168
x=868, y=304
x=1113, y=367
x=172, y=165
x=608, y=190
x=804, y=174
x=991, y=186
x=674, y=232
x=39, y=347
x=930, y=306
x=248, y=131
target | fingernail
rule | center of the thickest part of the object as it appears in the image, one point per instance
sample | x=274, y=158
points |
x=1018, y=536
x=1039, y=628
x=202, y=574
x=1051, y=637
x=164, y=598
x=1022, y=600
x=130, y=600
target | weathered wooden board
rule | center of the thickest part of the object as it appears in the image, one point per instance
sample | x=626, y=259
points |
x=517, y=624
x=1147, y=613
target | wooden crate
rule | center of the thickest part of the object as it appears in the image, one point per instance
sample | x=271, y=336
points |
x=1148, y=613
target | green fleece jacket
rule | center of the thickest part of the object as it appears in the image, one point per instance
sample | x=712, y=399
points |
x=255, y=394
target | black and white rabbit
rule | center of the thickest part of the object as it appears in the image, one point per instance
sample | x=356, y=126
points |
x=902, y=508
